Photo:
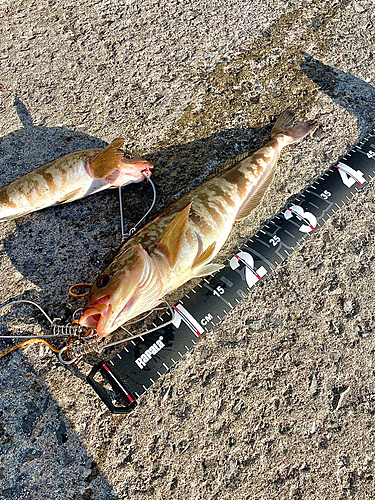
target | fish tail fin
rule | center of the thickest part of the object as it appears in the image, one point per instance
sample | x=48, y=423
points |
x=287, y=125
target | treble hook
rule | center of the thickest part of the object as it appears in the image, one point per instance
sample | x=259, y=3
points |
x=124, y=235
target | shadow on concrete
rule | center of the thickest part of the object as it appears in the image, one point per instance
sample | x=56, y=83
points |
x=35, y=436
x=353, y=94
x=37, y=440
x=53, y=249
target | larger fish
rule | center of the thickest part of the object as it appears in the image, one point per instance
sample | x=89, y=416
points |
x=183, y=240
x=70, y=178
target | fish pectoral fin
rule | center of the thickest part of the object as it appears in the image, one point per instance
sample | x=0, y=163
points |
x=106, y=162
x=172, y=238
x=208, y=269
x=73, y=195
x=253, y=200
x=205, y=256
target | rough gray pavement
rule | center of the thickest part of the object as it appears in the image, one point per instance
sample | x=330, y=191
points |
x=278, y=401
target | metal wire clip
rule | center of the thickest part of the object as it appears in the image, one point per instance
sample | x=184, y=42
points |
x=124, y=235
x=73, y=330
x=93, y=343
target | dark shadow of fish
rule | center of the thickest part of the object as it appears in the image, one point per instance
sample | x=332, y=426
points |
x=36, y=434
x=59, y=246
x=350, y=92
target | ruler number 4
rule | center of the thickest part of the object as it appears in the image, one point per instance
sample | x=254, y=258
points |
x=349, y=176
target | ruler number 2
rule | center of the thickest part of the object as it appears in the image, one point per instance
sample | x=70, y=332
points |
x=250, y=277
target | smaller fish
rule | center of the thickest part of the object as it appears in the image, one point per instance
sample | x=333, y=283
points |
x=70, y=178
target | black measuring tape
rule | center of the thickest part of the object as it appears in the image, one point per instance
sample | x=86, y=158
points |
x=131, y=372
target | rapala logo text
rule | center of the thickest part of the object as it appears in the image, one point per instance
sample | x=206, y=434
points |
x=147, y=355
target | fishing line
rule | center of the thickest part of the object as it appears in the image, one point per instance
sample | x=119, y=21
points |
x=90, y=341
x=72, y=353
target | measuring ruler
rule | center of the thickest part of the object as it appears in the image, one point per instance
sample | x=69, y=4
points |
x=131, y=372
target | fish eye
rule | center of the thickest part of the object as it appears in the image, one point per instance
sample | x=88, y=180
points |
x=128, y=156
x=103, y=281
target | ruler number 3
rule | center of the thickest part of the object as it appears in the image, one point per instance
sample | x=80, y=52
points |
x=306, y=216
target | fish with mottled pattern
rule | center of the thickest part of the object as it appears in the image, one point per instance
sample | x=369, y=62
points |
x=183, y=240
x=70, y=178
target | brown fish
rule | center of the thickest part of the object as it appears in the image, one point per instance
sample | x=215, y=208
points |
x=70, y=178
x=182, y=241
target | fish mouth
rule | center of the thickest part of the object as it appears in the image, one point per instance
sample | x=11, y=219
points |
x=145, y=167
x=129, y=172
x=96, y=316
x=126, y=307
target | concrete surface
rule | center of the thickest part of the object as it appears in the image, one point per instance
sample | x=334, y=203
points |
x=279, y=401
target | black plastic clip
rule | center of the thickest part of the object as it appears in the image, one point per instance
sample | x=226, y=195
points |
x=118, y=387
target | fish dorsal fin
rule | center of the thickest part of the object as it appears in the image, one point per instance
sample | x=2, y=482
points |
x=106, y=162
x=253, y=200
x=172, y=238
x=233, y=161
x=205, y=256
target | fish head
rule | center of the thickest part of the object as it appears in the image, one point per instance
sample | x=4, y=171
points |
x=129, y=286
x=131, y=168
